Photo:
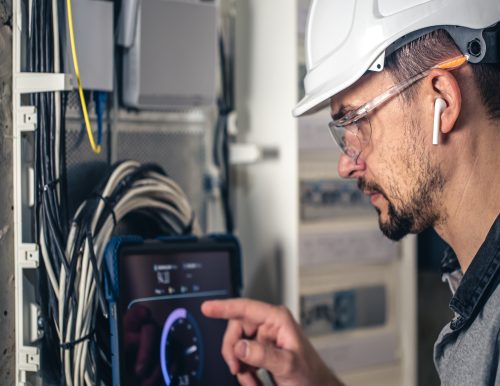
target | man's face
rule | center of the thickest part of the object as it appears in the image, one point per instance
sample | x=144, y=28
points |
x=396, y=169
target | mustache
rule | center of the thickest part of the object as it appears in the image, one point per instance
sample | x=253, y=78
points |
x=371, y=187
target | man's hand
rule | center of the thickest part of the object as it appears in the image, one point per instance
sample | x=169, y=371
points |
x=260, y=335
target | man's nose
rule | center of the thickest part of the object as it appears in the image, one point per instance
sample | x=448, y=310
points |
x=349, y=168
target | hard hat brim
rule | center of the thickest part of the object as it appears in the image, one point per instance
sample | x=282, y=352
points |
x=309, y=105
x=319, y=99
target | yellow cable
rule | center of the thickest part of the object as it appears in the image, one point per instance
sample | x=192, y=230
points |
x=95, y=148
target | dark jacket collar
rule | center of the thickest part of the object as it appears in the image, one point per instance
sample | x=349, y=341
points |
x=480, y=279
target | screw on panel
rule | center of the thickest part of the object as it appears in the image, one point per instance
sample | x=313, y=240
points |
x=474, y=48
x=41, y=326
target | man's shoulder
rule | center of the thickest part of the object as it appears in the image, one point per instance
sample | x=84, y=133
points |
x=467, y=350
x=487, y=319
x=467, y=356
x=492, y=305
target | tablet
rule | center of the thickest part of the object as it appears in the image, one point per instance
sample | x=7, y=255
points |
x=155, y=290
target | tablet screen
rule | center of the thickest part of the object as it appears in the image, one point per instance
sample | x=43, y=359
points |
x=164, y=338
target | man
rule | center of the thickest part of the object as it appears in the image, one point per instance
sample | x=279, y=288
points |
x=413, y=92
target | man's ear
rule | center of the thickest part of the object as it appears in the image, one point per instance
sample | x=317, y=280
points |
x=445, y=86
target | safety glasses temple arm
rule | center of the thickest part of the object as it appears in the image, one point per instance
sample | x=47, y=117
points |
x=449, y=65
x=377, y=101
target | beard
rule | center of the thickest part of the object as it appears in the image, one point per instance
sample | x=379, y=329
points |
x=413, y=214
x=416, y=208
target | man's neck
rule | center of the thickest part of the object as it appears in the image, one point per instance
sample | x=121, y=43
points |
x=472, y=201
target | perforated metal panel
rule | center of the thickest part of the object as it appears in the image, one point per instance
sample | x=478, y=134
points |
x=179, y=149
x=175, y=141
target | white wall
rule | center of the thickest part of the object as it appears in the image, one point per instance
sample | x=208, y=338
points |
x=267, y=193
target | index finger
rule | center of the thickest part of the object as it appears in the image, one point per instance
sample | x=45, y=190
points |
x=251, y=311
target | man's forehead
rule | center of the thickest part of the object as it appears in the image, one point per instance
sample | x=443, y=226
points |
x=347, y=99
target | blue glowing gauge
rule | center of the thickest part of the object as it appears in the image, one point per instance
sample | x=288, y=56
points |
x=181, y=350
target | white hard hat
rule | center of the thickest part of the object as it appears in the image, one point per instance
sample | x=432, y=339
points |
x=346, y=38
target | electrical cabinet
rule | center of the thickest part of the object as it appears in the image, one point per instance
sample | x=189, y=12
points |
x=176, y=140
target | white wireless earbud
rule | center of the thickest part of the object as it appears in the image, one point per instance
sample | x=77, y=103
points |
x=439, y=106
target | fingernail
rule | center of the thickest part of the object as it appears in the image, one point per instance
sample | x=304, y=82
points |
x=232, y=368
x=241, y=349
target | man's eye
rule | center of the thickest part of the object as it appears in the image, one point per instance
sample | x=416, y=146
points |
x=360, y=121
x=363, y=126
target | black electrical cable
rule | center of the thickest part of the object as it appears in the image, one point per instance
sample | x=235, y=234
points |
x=227, y=178
x=109, y=131
x=48, y=186
x=63, y=184
x=95, y=271
x=41, y=31
x=50, y=204
x=38, y=45
x=221, y=135
x=51, y=213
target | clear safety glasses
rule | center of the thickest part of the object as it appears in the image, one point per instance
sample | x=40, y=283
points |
x=352, y=132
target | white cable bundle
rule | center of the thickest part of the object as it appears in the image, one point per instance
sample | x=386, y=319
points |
x=152, y=191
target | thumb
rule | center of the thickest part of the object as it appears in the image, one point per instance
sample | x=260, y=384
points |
x=261, y=355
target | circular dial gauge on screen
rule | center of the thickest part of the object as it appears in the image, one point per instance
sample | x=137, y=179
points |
x=181, y=349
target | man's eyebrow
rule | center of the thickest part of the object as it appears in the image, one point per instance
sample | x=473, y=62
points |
x=343, y=110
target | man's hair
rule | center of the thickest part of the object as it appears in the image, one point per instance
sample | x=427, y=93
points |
x=436, y=47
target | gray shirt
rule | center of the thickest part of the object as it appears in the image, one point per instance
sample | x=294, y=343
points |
x=467, y=349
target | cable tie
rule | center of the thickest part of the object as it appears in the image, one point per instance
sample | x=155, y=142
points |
x=224, y=109
x=108, y=206
x=51, y=184
x=70, y=345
